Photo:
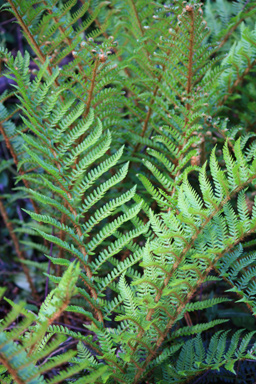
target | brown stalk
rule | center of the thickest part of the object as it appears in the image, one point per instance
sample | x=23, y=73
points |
x=231, y=90
x=146, y=122
x=188, y=107
x=225, y=39
x=9, y=146
x=10, y=115
x=29, y=35
x=188, y=86
x=90, y=95
x=12, y=371
x=42, y=59
x=82, y=249
x=18, y=251
x=189, y=297
x=16, y=161
x=50, y=320
x=247, y=70
x=190, y=60
x=67, y=39
x=237, y=82
x=137, y=17
x=145, y=125
x=126, y=70
x=31, y=40
x=62, y=237
x=199, y=231
x=187, y=248
x=62, y=233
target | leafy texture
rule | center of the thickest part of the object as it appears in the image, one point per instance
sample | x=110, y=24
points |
x=112, y=143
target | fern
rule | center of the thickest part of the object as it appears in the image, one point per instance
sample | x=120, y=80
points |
x=24, y=345
x=111, y=145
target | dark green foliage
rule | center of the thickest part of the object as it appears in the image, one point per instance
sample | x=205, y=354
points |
x=117, y=140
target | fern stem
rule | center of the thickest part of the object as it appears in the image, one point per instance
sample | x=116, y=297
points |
x=234, y=27
x=187, y=300
x=28, y=34
x=9, y=146
x=18, y=251
x=96, y=20
x=49, y=267
x=32, y=41
x=89, y=101
x=237, y=82
x=190, y=62
x=11, y=370
x=16, y=161
x=90, y=94
x=62, y=237
x=200, y=230
x=11, y=114
x=137, y=17
x=149, y=113
x=238, y=294
x=126, y=70
x=150, y=110
x=67, y=39
x=188, y=90
x=202, y=278
x=49, y=321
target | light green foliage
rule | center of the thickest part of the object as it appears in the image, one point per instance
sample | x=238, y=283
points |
x=30, y=341
x=233, y=29
x=111, y=140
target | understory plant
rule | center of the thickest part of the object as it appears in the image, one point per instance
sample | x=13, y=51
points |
x=128, y=184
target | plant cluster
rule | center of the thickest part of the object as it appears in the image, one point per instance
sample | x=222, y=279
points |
x=128, y=192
